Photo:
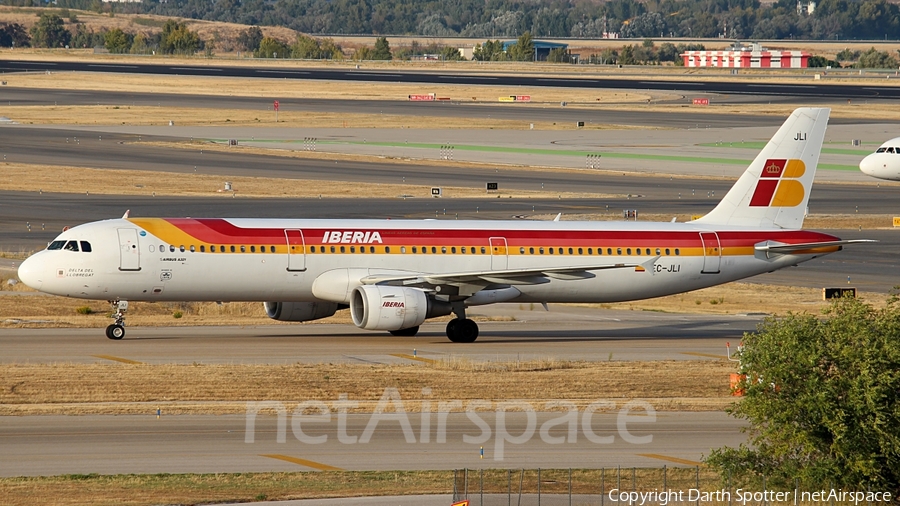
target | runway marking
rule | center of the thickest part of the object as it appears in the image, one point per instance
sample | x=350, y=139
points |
x=414, y=357
x=671, y=459
x=302, y=462
x=709, y=355
x=117, y=359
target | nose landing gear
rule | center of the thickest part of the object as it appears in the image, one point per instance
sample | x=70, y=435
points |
x=116, y=331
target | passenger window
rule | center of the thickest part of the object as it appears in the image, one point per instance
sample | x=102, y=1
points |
x=85, y=246
x=657, y=251
x=531, y=251
x=162, y=248
x=618, y=251
x=71, y=246
x=312, y=249
x=212, y=248
x=352, y=249
x=193, y=249
x=371, y=249
x=332, y=249
x=580, y=251
x=252, y=249
x=628, y=251
x=56, y=245
x=387, y=249
x=152, y=248
x=541, y=250
x=402, y=249
x=521, y=251
x=271, y=249
x=181, y=248
x=232, y=249
x=677, y=252
x=202, y=249
x=172, y=249
x=609, y=251
x=433, y=249
x=482, y=250
x=343, y=249
x=551, y=251
x=443, y=249
x=667, y=251
x=453, y=249
x=463, y=250
x=414, y=250
x=571, y=251
x=243, y=249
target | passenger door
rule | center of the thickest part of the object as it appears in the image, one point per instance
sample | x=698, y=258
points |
x=499, y=258
x=712, y=252
x=129, y=250
x=296, y=250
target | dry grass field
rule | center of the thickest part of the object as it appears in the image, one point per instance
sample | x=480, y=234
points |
x=80, y=389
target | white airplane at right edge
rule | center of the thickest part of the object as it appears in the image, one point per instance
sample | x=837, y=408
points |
x=884, y=163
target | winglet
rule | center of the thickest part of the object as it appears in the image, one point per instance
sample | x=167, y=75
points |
x=127, y=214
x=558, y=216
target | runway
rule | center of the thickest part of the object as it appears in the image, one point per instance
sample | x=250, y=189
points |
x=50, y=445
x=591, y=113
x=837, y=91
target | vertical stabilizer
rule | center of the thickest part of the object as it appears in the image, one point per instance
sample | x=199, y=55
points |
x=774, y=190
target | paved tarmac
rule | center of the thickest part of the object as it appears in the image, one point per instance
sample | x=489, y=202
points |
x=49, y=445
x=461, y=75
x=565, y=333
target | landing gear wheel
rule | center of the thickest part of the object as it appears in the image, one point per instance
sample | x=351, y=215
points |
x=462, y=330
x=115, y=332
x=409, y=332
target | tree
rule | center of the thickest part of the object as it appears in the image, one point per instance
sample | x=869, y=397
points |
x=491, y=50
x=272, y=48
x=14, y=35
x=363, y=53
x=49, y=31
x=874, y=59
x=117, y=41
x=559, y=55
x=382, y=49
x=523, y=49
x=822, y=399
x=176, y=38
x=451, y=53
x=250, y=38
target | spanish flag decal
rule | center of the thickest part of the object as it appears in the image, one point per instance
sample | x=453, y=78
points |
x=778, y=184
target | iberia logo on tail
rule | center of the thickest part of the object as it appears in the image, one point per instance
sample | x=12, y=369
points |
x=778, y=184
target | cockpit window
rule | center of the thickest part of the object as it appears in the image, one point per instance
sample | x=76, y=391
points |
x=56, y=245
x=890, y=150
x=85, y=246
x=71, y=246
x=881, y=150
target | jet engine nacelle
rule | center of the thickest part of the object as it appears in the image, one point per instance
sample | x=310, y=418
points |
x=381, y=307
x=299, y=311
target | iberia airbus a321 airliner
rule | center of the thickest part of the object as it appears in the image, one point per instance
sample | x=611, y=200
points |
x=395, y=274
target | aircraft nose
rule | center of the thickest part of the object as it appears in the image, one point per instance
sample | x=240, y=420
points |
x=30, y=272
x=868, y=166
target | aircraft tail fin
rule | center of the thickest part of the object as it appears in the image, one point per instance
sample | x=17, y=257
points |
x=774, y=190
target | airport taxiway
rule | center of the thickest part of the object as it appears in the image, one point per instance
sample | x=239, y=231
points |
x=565, y=333
x=49, y=445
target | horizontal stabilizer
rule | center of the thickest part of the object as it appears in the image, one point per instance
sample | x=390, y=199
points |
x=770, y=247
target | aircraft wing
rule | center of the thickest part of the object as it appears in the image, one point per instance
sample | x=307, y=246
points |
x=770, y=247
x=473, y=281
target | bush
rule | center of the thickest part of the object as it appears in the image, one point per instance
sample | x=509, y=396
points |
x=822, y=399
x=177, y=314
x=84, y=310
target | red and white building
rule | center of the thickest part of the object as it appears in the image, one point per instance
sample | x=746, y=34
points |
x=753, y=56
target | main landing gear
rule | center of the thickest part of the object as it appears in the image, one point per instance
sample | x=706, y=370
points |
x=116, y=331
x=461, y=329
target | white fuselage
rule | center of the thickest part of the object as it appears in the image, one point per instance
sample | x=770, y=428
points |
x=281, y=260
x=884, y=163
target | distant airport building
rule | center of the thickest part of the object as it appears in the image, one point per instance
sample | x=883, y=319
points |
x=541, y=48
x=752, y=56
